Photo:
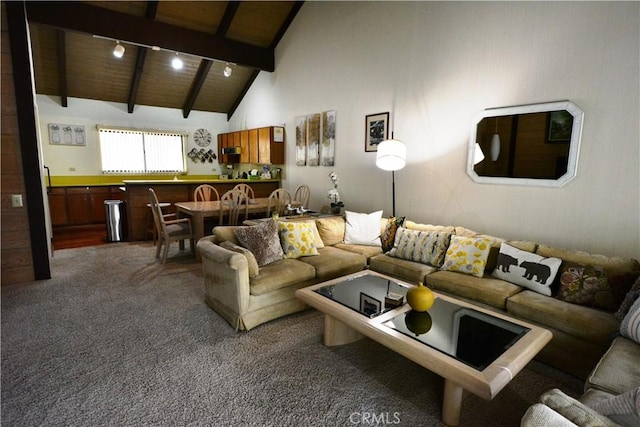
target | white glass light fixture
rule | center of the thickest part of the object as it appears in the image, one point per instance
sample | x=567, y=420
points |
x=177, y=63
x=495, y=144
x=118, y=51
x=478, y=155
x=392, y=156
x=227, y=71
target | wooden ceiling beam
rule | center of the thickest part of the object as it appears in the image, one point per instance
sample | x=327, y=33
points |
x=205, y=64
x=152, y=9
x=62, y=68
x=95, y=20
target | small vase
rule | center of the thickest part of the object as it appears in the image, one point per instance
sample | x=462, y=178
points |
x=420, y=298
x=335, y=210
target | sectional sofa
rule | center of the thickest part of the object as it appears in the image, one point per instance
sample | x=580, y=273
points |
x=247, y=295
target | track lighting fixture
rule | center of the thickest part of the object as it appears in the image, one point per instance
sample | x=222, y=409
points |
x=177, y=63
x=227, y=70
x=118, y=51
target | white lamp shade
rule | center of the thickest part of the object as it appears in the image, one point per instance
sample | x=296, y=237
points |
x=392, y=155
x=478, y=155
x=495, y=147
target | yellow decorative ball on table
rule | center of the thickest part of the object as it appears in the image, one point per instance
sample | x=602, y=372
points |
x=420, y=298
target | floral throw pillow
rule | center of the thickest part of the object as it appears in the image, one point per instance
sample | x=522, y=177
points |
x=592, y=286
x=297, y=239
x=389, y=234
x=262, y=240
x=426, y=247
x=467, y=255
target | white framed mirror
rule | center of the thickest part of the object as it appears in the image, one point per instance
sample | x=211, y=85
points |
x=532, y=145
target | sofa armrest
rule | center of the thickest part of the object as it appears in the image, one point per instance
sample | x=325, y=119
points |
x=226, y=277
x=539, y=415
x=573, y=410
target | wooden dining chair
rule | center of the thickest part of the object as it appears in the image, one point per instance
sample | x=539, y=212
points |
x=169, y=230
x=246, y=189
x=302, y=195
x=205, y=193
x=279, y=199
x=232, y=203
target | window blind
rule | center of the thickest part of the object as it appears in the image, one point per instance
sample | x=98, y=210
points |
x=138, y=151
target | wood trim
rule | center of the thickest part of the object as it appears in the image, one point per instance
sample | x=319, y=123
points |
x=152, y=9
x=62, y=67
x=25, y=104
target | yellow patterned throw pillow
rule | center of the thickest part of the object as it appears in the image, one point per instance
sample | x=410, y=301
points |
x=297, y=239
x=467, y=255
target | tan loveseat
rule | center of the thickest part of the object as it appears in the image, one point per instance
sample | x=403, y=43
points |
x=247, y=298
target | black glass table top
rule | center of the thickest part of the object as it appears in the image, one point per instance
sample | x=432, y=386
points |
x=470, y=336
x=369, y=295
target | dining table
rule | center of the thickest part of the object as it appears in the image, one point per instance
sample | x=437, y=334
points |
x=200, y=210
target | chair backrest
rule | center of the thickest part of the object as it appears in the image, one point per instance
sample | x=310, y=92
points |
x=157, y=212
x=232, y=203
x=206, y=193
x=246, y=189
x=278, y=201
x=302, y=195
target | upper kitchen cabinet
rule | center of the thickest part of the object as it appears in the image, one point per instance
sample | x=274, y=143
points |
x=258, y=146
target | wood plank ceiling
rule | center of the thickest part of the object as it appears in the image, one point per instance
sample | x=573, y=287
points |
x=73, y=44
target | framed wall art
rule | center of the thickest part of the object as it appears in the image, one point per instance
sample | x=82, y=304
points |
x=376, y=130
x=560, y=125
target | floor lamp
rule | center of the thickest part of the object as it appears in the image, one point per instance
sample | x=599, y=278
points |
x=392, y=156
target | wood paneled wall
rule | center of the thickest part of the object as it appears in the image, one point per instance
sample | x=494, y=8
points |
x=17, y=260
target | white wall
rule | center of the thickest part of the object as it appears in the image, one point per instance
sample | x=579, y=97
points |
x=89, y=113
x=435, y=66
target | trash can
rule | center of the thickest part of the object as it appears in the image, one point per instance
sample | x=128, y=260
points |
x=115, y=216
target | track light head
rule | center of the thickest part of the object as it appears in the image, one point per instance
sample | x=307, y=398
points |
x=118, y=51
x=177, y=63
x=227, y=71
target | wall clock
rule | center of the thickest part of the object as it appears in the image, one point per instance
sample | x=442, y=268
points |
x=202, y=137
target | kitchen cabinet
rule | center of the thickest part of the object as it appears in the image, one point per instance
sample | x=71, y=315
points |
x=73, y=206
x=258, y=146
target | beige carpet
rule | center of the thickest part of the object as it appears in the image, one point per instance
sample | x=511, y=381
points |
x=115, y=338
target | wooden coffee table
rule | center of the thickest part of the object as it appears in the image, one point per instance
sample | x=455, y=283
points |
x=354, y=308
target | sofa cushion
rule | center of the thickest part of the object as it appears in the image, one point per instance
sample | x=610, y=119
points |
x=630, y=326
x=526, y=269
x=251, y=260
x=407, y=270
x=262, y=240
x=588, y=323
x=592, y=286
x=297, y=239
x=331, y=229
x=333, y=262
x=616, y=264
x=618, y=370
x=487, y=290
x=467, y=255
x=426, y=247
x=388, y=236
x=280, y=274
x=226, y=233
x=362, y=228
x=366, y=251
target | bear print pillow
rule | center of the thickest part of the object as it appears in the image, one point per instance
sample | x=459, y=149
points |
x=526, y=269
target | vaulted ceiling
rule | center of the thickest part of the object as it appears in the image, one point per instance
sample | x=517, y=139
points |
x=73, y=45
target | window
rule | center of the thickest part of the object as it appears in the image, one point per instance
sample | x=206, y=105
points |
x=137, y=151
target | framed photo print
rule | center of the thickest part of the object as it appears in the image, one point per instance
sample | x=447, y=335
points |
x=560, y=125
x=376, y=130
x=369, y=306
